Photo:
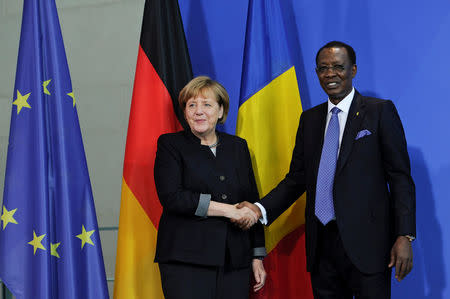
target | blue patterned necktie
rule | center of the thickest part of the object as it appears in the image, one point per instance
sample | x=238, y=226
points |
x=327, y=168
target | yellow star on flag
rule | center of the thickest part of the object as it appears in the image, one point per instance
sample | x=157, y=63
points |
x=8, y=217
x=36, y=242
x=85, y=237
x=45, y=84
x=53, y=251
x=72, y=95
x=21, y=101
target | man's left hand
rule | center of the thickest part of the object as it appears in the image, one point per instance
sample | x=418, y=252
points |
x=401, y=257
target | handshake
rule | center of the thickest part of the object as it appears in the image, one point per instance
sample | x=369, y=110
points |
x=245, y=215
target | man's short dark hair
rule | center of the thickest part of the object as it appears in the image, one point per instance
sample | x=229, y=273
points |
x=337, y=44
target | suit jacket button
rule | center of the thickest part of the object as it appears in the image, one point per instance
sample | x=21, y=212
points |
x=224, y=196
x=222, y=178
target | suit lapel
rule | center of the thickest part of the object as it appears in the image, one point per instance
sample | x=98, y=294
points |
x=354, y=119
x=321, y=119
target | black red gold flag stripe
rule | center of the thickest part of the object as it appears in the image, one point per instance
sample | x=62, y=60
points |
x=163, y=68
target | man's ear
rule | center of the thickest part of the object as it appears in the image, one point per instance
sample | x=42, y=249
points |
x=354, y=70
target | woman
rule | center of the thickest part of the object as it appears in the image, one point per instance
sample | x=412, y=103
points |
x=200, y=175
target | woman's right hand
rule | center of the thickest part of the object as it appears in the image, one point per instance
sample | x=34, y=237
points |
x=244, y=216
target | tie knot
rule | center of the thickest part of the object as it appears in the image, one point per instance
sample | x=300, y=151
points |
x=335, y=110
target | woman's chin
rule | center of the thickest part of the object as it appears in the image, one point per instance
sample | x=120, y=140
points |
x=201, y=131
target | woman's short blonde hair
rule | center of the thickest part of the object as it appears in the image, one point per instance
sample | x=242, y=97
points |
x=205, y=86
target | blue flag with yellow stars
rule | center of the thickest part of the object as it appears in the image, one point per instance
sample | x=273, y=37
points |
x=49, y=240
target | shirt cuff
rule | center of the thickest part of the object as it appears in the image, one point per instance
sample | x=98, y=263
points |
x=259, y=252
x=263, y=218
x=203, y=205
x=410, y=238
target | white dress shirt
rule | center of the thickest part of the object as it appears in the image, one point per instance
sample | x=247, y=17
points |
x=344, y=106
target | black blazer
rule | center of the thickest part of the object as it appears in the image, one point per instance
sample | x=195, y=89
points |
x=374, y=194
x=183, y=170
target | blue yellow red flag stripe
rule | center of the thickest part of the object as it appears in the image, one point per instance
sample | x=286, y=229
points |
x=268, y=118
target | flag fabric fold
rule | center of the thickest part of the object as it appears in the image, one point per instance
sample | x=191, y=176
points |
x=163, y=69
x=49, y=240
x=268, y=118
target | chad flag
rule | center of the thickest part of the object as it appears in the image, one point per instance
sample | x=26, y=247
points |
x=163, y=68
x=268, y=118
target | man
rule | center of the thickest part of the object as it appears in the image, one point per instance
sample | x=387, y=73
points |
x=351, y=158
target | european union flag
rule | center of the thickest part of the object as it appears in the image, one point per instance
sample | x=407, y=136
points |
x=49, y=240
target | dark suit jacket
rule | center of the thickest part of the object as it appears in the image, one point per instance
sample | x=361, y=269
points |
x=183, y=169
x=374, y=194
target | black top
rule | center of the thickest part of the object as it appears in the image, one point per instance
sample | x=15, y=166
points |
x=184, y=169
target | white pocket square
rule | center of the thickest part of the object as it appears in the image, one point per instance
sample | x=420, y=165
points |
x=362, y=133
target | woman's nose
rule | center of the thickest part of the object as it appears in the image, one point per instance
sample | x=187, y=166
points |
x=198, y=110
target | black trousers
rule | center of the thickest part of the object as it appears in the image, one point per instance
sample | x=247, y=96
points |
x=187, y=281
x=335, y=276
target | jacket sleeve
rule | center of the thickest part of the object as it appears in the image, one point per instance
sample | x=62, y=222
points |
x=292, y=186
x=168, y=180
x=397, y=170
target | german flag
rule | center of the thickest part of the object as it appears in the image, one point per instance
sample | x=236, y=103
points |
x=268, y=118
x=163, y=68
